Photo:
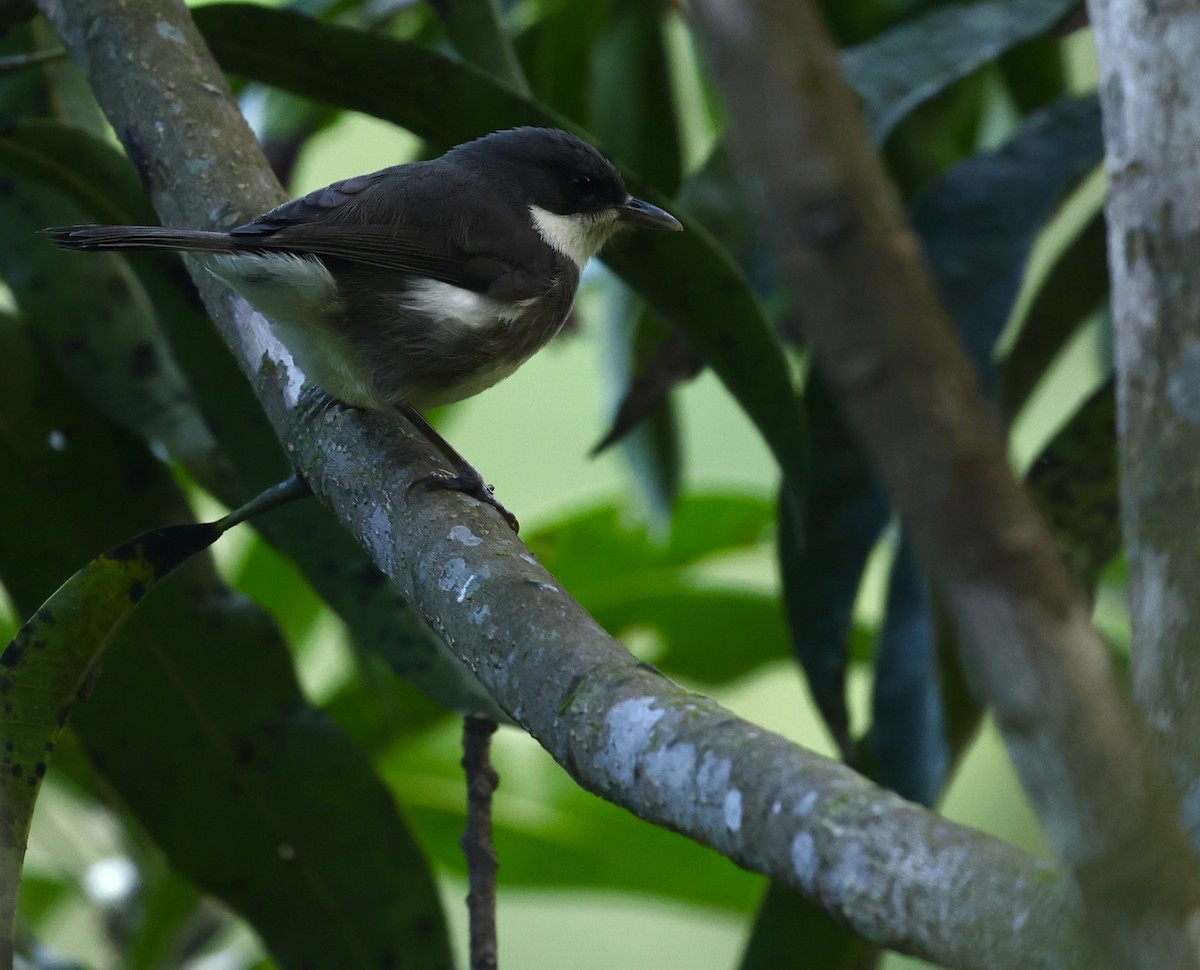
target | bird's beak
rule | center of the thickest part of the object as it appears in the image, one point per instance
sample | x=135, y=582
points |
x=635, y=212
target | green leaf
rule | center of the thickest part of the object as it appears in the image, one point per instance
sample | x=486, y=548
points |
x=1074, y=481
x=687, y=278
x=48, y=664
x=638, y=361
x=474, y=29
x=709, y=635
x=790, y=929
x=905, y=66
x=633, y=109
x=824, y=545
x=586, y=552
x=91, y=311
x=197, y=721
x=550, y=833
x=631, y=582
x=99, y=180
x=1073, y=289
x=557, y=51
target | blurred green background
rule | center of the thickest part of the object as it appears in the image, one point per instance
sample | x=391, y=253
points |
x=582, y=884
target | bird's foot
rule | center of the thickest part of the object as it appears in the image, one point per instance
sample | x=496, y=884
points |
x=469, y=482
x=316, y=403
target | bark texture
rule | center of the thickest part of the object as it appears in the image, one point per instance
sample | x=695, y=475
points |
x=890, y=354
x=1150, y=64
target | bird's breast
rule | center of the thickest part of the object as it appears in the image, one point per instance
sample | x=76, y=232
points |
x=433, y=343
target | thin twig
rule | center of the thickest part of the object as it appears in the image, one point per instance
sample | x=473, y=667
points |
x=19, y=62
x=477, y=844
x=289, y=490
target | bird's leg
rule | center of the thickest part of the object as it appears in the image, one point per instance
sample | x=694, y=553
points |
x=465, y=478
x=315, y=402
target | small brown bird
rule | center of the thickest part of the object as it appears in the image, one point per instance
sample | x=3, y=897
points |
x=421, y=284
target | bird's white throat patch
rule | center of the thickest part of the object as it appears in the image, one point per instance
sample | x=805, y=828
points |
x=578, y=236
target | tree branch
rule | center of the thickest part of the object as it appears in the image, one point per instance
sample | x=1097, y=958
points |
x=888, y=349
x=1149, y=63
x=899, y=875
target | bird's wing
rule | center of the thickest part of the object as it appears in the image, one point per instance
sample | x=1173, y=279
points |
x=402, y=219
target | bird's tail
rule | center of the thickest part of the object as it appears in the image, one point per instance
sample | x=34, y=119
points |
x=140, y=237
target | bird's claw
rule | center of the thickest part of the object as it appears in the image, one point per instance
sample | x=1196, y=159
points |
x=469, y=483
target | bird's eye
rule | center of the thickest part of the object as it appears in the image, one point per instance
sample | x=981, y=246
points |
x=583, y=184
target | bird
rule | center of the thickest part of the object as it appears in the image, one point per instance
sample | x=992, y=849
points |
x=424, y=283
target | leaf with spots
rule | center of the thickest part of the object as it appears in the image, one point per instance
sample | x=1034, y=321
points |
x=48, y=665
x=198, y=724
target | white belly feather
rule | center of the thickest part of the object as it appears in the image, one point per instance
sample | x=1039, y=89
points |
x=300, y=296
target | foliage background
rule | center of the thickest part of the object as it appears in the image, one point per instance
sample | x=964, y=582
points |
x=583, y=884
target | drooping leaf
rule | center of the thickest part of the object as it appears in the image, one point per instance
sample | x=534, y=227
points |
x=1075, y=286
x=902, y=67
x=644, y=359
x=197, y=720
x=633, y=108
x=47, y=665
x=979, y=222
x=672, y=363
x=823, y=549
x=908, y=743
x=474, y=28
x=790, y=929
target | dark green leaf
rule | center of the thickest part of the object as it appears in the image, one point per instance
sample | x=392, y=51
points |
x=474, y=29
x=978, y=223
x=633, y=109
x=1075, y=287
x=556, y=52
x=48, y=664
x=108, y=341
x=908, y=744
x=907, y=65
x=197, y=720
x=99, y=180
x=595, y=548
x=823, y=550
x=791, y=931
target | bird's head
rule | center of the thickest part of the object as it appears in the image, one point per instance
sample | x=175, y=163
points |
x=575, y=196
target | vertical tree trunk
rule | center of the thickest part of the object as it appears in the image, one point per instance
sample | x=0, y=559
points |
x=1150, y=66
